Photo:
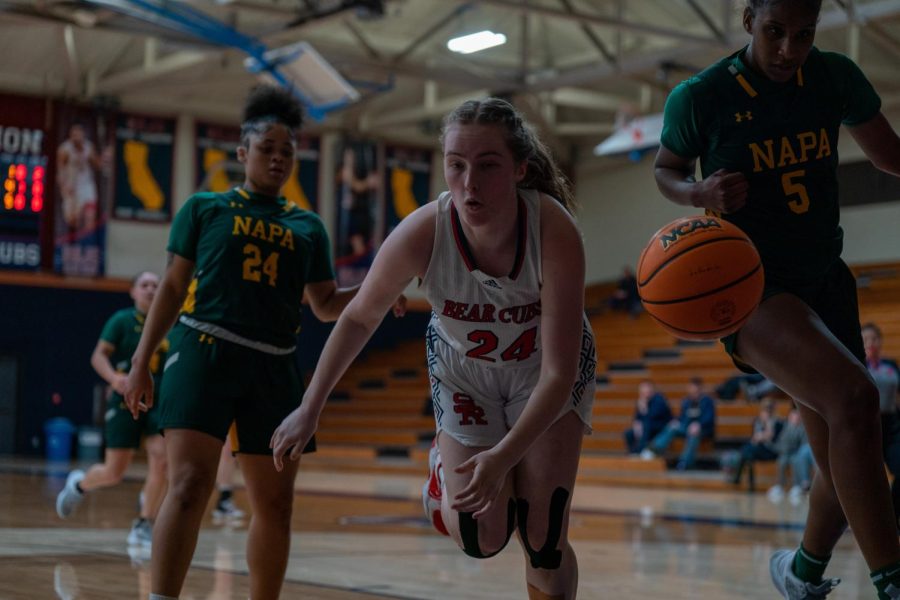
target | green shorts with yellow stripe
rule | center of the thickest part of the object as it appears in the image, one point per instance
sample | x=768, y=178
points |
x=208, y=383
x=121, y=430
x=833, y=298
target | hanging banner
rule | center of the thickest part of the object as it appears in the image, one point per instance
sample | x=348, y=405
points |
x=145, y=151
x=360, y=222
x=83, y=190
x=407, y=182
x=218, y=168
x=24, y=159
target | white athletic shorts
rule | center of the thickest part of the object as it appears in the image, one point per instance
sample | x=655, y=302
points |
x=477, y=404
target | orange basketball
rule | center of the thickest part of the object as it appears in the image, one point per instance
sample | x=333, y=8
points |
x=700, y=277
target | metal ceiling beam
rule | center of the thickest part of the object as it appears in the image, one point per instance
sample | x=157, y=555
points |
x=419, y=113
x=589, y=33
x=125, y=80
x=592, y=72
x=594, y=19
x=70, y=59
x=428, y=33
x=718, y=33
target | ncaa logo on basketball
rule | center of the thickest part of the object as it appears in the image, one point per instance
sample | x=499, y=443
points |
x=686, y=229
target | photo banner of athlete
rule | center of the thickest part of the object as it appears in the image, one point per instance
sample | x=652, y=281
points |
x=218, y=168
x=407, y=182
x=83, y=167
x=360, y=216
x=145, y=151
x=24, y=161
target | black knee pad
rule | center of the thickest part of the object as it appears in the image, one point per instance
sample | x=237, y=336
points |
x=468, y=531
x=548, y=556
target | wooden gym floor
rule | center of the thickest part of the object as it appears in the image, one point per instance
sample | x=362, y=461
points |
x=363, y=537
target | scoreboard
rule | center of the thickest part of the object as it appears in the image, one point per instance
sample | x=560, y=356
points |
x=23, y=167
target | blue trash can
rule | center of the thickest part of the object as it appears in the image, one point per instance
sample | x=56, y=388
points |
x=58, y=437
x=90, y=443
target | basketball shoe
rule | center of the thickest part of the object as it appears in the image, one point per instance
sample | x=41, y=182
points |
x=433, y=489
x=69, y=497
x=792, y=587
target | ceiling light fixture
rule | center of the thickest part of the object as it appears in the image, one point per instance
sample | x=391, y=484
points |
x=467, y=44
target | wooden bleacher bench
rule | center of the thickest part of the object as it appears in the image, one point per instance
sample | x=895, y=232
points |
x=382, y=400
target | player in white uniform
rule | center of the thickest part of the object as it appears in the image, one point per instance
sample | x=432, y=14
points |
x=76, y=161
x=510, y=353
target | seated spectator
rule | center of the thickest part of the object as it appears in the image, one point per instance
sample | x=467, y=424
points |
x=886, y=375
x=731, y=387
x=651, y=414
x=761, y=447
x=696, y=422
x=626, y=297
x=793, y=450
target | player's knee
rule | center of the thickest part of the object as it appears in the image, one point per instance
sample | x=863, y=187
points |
x=857, y=409
x=548, y=529
x=190, y=486
x=489, y=539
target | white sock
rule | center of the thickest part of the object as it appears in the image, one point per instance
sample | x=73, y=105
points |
x=162, y=597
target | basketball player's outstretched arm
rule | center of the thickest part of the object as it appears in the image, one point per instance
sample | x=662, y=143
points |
x=562, y=322
x=404, y=255
x=722, y=191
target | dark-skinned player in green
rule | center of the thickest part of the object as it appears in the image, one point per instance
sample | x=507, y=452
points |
x=240, y=263
x=764, y=125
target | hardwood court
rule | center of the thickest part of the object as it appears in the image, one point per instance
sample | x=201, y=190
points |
x=359, y=536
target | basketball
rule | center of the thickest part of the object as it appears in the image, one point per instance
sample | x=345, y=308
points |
x=700, y=278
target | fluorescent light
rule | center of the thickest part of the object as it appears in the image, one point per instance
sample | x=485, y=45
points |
x=474, y=42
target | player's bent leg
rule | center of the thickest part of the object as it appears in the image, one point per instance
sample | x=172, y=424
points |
x=155, y=484
x=789, y=344
x=489, y=534
x=110, y=471
x=545, y=480
x=192, y=460
x=271, y=495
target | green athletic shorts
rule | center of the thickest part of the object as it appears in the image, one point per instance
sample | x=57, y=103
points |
x=833, y=298
x=209, y=383
x=122, y=430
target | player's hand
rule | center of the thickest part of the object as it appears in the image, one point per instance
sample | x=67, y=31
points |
x=723, y=191
x=293, y=434
x=488, y=471
x=118, y=383
x=138, y=391
x=399, y=306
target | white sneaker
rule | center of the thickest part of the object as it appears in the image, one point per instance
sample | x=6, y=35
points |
x=892, y=591
x=433, y=489
x=141, y=533
x=789, y=585
x=228, y=510
x=647, y=454
x=69, y=497
x=775, y=493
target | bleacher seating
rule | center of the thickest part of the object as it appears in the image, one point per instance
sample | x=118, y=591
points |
x=379, y=420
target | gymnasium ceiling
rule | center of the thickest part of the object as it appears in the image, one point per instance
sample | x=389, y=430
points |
x=571, y=65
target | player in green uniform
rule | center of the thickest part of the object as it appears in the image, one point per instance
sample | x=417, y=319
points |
x=239, y=264
x=764, y=123
x=112, y=360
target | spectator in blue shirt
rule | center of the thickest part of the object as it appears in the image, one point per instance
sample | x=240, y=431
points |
x=651, y=415
x=696, y=422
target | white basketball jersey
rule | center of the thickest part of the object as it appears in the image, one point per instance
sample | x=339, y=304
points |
x=494, y=320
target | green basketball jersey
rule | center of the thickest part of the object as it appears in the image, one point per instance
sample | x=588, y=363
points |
x=783, y=137
x=123, y=332
x=253, y=256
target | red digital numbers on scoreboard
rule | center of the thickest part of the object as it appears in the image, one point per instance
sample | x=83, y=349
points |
x=24, y=183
